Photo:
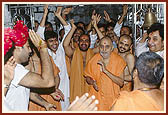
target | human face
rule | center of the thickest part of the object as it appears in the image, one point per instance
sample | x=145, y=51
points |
x=84, y=43
x=52, y=44
x=21, y=54
x=124, y=45
x=105, y=48
x=48, y=28
x=77, y=34
x=124, y=30
x=155, y=42
x=102, y=30
x=110, y=32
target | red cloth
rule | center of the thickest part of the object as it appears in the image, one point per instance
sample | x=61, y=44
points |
x=19, y=35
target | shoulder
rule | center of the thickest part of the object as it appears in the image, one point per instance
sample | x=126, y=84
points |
x=129, y=57
x=117, y=56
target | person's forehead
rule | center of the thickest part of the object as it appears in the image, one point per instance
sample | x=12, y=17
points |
x=125, y=28
x=84, y=37
x=105, y=42
x=53, y=38
x=154, y=33
x=48, y=25
x=124, y=39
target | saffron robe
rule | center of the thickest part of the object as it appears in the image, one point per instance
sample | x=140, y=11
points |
x=108, y=90
x=135, y=101
x=78, y=85
x=47, y=97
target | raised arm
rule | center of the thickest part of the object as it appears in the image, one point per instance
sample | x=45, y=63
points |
x=88, y=28
x=95, y=21
x=58, y=15
x=46, y=79
x=107, y=17
x=66, y=11
x=68, y=49
x=125, y=9
x=43, y=20
x=9, y=70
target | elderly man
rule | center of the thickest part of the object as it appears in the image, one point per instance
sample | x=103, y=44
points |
x=146, y=96
x=105, y=73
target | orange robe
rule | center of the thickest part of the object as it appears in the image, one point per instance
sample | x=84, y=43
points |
x=68, y=65
x=135, y=101
x=47, y=97
x=108, y=90
x=78, y=85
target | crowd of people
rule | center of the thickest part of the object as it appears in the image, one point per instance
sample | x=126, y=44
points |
x=48, y=70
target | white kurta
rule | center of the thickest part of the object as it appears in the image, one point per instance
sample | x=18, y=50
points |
x=142, y=47
x=17, y=96
x=59, y=59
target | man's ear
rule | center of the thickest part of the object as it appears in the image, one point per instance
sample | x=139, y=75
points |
x=112, y=47
x=131, y=46
x=135, y=74
x=163, y=43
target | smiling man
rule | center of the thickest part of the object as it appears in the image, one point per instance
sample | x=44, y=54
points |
x=124, y=47
x=104, y=72
x=154, y=42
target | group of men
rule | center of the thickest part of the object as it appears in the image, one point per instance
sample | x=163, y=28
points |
x=90, y=59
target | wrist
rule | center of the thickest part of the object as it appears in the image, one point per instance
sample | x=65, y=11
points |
x=42, y=45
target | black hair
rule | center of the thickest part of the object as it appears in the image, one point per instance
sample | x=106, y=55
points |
x=48, y=23
x=150, y=67
x=129, y=28
x=36, y=21
x=79, y=28
x=101, y=25
x=157, y=27
x=112, y=24
x=50, y=34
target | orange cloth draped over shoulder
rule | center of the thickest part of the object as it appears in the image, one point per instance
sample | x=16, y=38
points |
x=78, y=85
x=68, y=64
x=108, y=90
x=135, y=101
x=47, y=97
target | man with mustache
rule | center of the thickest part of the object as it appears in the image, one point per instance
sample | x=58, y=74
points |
x=153, y=42
x=79, y=57
x=105, y=73
x=124, y=47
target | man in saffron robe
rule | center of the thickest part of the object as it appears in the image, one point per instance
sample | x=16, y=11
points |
x=146, y=96
x=105, y=72
x=80, y=56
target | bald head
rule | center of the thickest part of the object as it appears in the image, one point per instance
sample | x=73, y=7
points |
x=128, y=37
x=107, y=39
